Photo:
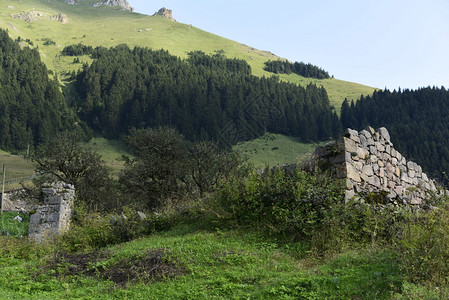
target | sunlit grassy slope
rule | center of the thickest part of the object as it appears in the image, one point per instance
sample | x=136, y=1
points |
x=108, y=27
x=274, y=149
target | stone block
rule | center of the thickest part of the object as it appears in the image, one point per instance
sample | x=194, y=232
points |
x=391, y=185
x=365, y=133
x=373, y=150
x=368, y=170
x=374, y=181
x=363, y=141
x=399, y=189
x=404, y=177
x=384, y=133
x=362, y=153
x=370, y=141
x=350, y=145
x=352, y=173
x=348, y=156
x=415, y=200
x=393, y=153
x=349, y=195
x=381, y=172
x=349, y=184
x=351, y=132
x=380, y=147
x=388, y=149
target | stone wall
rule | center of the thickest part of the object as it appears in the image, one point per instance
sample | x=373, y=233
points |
x=19, y=200
x=369, y=163
x=54, y=216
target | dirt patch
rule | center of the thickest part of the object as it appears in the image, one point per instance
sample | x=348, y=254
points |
x=153, y=266
x=67, y=264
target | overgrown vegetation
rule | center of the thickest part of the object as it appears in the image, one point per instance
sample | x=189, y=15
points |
x=276, y=234
x=168, y=168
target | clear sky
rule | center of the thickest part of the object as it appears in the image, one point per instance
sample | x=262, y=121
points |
x=380, y=43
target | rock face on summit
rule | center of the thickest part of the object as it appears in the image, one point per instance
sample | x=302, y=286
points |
x=121, y=3
x=369, y=163
x=166, y=13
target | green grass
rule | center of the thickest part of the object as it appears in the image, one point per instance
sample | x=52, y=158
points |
x=16, y=167
x=229, y=264
x=337, y=90
x=108, y=27
x=11, y=227
x=111, y=151
x=274, y=149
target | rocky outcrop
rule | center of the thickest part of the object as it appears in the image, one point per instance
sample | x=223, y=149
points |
x=62, y=18
x=166, y=13
x=121, y=3
x=54, y=216
x=372, y=167
x=33, y=16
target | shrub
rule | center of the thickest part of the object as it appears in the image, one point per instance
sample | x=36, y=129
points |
x=423, y=246
x=284, y=203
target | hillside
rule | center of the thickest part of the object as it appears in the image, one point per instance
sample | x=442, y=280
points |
x=57, y=24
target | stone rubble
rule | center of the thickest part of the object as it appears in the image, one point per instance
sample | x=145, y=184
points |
x=369, y=163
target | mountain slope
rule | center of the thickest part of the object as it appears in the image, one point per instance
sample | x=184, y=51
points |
x=53, y=24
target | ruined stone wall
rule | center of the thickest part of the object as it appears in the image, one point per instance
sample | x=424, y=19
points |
x=19, y=200
x=369, y=163
x=54, y=216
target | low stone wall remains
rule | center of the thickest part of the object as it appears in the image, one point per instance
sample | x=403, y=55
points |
x=369, y=163
x=19, y=200
x=54, y=216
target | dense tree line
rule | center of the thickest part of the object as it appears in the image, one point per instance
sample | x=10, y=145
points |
x=417, y=120
x=32, y=108
x=205, y=97
x=300, y=68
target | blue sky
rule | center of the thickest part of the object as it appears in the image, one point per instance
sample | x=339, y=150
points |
x=380, y=43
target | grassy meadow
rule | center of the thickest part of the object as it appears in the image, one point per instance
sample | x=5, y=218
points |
x=211, y=265
x=274, y=149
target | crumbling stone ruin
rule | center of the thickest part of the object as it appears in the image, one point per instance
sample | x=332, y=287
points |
x=370, y=165
x=19, y=200
x=54, y=216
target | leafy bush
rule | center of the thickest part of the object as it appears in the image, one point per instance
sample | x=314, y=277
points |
x=49, y=42
x=289, y=203
x=94, y=231
x=423, y=247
